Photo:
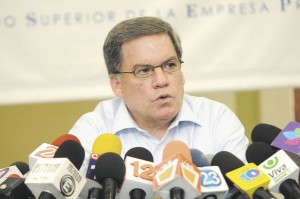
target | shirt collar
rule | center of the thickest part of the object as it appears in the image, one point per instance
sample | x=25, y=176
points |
x=123, y=119
x=185, y=114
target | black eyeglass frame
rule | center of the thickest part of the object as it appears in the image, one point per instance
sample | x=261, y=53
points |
x=152, y=70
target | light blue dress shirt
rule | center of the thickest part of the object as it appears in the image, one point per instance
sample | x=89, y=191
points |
x=204, y=124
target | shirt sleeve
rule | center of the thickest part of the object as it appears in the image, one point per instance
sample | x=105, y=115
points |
x=86, y=129
x=230, y=134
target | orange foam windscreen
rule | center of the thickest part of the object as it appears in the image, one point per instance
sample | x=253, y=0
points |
x=177, y=147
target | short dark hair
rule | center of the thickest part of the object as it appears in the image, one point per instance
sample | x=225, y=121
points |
x=130, y=29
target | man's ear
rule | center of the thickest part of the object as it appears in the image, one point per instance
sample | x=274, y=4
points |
x=115, y=84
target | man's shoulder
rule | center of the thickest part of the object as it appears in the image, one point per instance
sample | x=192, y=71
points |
x=200, y=101
x=105, y=109
x=109, y=102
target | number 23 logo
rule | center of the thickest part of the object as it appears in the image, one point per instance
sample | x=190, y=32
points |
x=210, y=178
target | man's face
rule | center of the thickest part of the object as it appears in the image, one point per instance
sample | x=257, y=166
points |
x=159, y=96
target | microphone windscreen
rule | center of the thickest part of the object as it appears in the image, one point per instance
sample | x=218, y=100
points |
x=71, y=150
x=22, y=166
x=139, y=153
x=198, y=158
x=107, y=142
x=227, y=162
x=110, y=165
x=177, y=147
x=257, y=152
x=264, y=133
x=58, y=141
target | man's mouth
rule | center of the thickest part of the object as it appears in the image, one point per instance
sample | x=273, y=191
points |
x=163, y=97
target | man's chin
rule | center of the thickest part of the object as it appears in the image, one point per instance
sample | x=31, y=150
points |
x=166, y=116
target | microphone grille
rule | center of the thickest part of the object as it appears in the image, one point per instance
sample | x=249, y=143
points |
x=22, y=166
x=139, y=153
x=264, y=133
x=177, y=147
x=257, y=152
x=71, y=150
x=227, y=162
x=110, y=165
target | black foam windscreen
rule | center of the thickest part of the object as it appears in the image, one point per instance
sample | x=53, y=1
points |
x=264, y=133
x=22, y=166
x=110, y=165
x=73, y=151
x=139, y=153
x=227, y=162
x=257, y=152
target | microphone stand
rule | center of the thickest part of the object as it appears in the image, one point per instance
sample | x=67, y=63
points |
x=176, y=193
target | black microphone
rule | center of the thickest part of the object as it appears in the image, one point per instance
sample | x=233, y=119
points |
x=13, y=187
x=139, y=174
x=234, y=192
x=73, y=151
x=22, y=166
x=258, y=152
x=281, y=169
x=266, y=133
x=139, y=153
x=58, y=177
x=109, y=172
x=249, y=179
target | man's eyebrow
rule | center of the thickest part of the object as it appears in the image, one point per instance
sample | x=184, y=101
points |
x=166, y=61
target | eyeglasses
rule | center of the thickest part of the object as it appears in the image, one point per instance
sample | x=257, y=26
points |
x=143, y=71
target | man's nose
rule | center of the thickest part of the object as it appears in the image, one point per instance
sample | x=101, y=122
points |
x=160, y=77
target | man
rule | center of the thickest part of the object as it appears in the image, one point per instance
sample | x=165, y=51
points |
x=143, y=57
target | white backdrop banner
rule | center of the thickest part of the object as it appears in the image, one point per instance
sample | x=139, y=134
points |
x=51, y=50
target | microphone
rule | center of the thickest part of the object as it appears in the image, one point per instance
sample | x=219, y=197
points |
x=71, y=150
x=61, y=139
x=264, y=133
x=176, y=175
x=267, y=133
x=66, y=150
x=281, y=169
x=249, y=179
x=58, y=177
x=139, y=174
x=110, y=171
x=9, y=171
x=48, y=150
x=213, y=184
x=258, y=152
x=198, y=158
x=106, y=142
x=13, y=186
x=43, y=151
x=22, y=166
x=233, y=192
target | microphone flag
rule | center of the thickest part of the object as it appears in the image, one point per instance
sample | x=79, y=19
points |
x=56, y=175
x=212, y=182
x=279, y=167
x=177, y=171
x=248, y=178
x=289, y=138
